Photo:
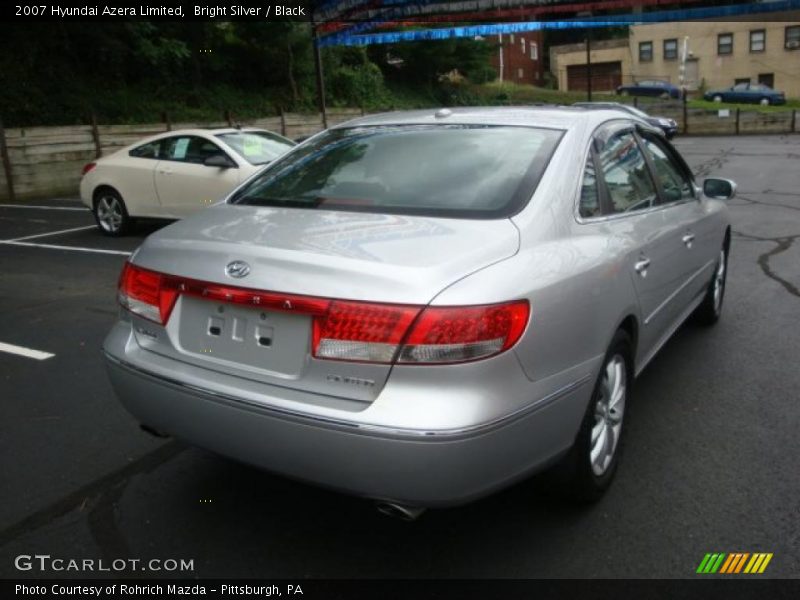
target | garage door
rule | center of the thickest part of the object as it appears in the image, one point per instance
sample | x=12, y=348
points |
x=605, y=76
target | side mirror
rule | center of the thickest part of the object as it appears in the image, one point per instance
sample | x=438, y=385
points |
x=720, y=189
x=218, y=160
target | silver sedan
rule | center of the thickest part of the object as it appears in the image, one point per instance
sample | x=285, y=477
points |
x=421, y=308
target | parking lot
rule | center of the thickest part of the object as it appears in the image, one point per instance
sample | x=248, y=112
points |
x=710, y=462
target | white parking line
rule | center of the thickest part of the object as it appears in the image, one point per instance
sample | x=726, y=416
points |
x=27, y=352
x=55, y=247
x=44, y=207
x=40, y=235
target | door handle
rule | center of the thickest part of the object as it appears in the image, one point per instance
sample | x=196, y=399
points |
x=688, y=239
x=641, y=265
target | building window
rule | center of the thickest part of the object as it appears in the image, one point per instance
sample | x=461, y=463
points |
x=534, y=51
x=670, y=49
x=522, y=43
x=520, y=73
x=757, y=40
x=512, y=38
x=725, y=43
x=767, y=79
x=645, y=51
x=792, y=40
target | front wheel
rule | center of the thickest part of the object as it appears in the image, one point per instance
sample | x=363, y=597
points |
x=586, y=472
x=110, y=213
x=764, y=102
x=710, y=309
x=717, y=98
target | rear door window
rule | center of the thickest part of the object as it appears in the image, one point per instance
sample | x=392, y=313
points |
x=626, y=174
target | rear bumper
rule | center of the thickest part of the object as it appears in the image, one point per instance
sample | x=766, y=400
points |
x=415, y=468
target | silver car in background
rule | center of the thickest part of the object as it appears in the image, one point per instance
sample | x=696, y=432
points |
x=421, y=308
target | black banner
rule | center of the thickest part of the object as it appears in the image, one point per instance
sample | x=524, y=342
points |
x=734, y=588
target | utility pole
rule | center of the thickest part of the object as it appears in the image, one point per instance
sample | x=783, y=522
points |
x=500, y=38
x=588, y=65
x=320, y=78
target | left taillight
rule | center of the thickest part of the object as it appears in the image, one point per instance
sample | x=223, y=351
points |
x=88, y=167
x=146, y=293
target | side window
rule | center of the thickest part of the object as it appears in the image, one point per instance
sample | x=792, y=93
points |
x=590, y=197
x=151, y=150
x=674, y=182
x=630, y=186
x=191, y=149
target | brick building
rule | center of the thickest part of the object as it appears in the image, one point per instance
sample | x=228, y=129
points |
x=519, y=57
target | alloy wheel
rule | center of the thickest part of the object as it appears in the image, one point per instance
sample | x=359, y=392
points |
x=719, y=282
x=609, y=411
x=109, y=213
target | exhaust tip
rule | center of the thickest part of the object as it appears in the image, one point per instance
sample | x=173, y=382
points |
x=152, y=431
x=399, y=511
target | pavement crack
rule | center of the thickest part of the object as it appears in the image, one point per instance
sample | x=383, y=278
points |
x=750, y=200
x=782, y=244
x=98, y=487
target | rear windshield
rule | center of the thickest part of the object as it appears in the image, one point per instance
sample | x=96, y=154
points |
x=257, y=147
x=464, y=171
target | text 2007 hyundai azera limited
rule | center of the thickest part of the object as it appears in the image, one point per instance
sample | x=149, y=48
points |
x=423, y=307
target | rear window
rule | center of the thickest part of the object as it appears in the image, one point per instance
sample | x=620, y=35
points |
x=257, y=147
x=463, y=171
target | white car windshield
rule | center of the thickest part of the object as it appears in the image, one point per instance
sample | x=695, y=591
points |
x=256, y=147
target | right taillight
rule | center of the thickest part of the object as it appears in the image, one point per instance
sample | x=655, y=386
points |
x=415, y=335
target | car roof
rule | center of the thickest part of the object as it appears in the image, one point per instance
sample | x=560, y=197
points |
x=211, y=130
x=549, y=117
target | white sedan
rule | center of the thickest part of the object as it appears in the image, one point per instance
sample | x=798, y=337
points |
x=174, y=174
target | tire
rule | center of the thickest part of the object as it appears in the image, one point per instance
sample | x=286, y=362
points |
x=587, y=470
x=665, y=96
x=717, y=98
x=710, y=309
x=764, y=102
x=110, y=213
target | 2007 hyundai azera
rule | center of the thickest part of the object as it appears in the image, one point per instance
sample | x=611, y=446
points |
x=423, y=307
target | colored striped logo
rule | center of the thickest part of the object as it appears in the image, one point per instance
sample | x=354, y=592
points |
x=734, y=563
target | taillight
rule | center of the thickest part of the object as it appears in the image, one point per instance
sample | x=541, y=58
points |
x=361, y=331
x=416, y=335
x=348, y=330
x=146, y=293
x=88, y=167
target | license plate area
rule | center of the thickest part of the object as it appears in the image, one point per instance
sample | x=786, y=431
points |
x=271, y=342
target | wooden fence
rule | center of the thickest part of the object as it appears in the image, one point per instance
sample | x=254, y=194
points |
x=47, y=161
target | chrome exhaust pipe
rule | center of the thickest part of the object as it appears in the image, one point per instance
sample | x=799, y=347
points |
x=399, y=511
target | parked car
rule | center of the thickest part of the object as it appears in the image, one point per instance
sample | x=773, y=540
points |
x=668, y=126
x=174, y=174
x=423, y=307
x=757, y=93
x=651, y=87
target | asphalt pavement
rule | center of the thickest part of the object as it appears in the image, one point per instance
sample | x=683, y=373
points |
x=710, y=462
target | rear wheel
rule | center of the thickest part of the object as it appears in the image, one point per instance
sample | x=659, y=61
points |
x=110, y=213
x=764, y=102
x=710, y=309
x=586, y=472
x=717, y=98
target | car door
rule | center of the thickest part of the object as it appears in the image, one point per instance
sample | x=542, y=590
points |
x=737, y=93
x=691, y=248
x=629, y=196
x=186, y=185
x=134, y=178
